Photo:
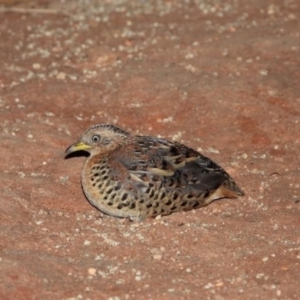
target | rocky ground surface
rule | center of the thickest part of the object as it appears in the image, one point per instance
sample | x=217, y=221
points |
x=221, y=76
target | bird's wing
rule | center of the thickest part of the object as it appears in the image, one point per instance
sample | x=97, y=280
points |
x=157, y=162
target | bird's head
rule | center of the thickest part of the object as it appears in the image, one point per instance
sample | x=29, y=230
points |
x=100, y=138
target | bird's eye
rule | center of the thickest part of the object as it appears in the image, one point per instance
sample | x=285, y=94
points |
x=96, y=138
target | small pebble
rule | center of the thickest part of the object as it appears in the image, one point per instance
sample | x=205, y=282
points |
x=61, y=76
x=92, y=271
x=36, y=66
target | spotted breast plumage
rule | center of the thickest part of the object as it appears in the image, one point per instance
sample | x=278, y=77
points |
x=142, y=176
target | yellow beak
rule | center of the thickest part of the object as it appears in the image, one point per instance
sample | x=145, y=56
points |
x=77, y=147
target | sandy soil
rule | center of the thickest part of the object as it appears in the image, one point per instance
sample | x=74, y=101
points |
x=221, y=76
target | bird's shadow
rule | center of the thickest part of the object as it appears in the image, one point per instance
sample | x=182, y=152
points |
x=77, y=154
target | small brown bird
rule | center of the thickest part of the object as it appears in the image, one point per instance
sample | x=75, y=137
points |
x=142, y=176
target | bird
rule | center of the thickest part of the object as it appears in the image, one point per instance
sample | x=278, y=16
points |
x=138, y=177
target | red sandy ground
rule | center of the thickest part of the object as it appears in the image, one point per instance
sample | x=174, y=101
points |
x=221, y=76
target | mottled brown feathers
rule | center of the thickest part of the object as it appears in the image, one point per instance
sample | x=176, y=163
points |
x=142, y=176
